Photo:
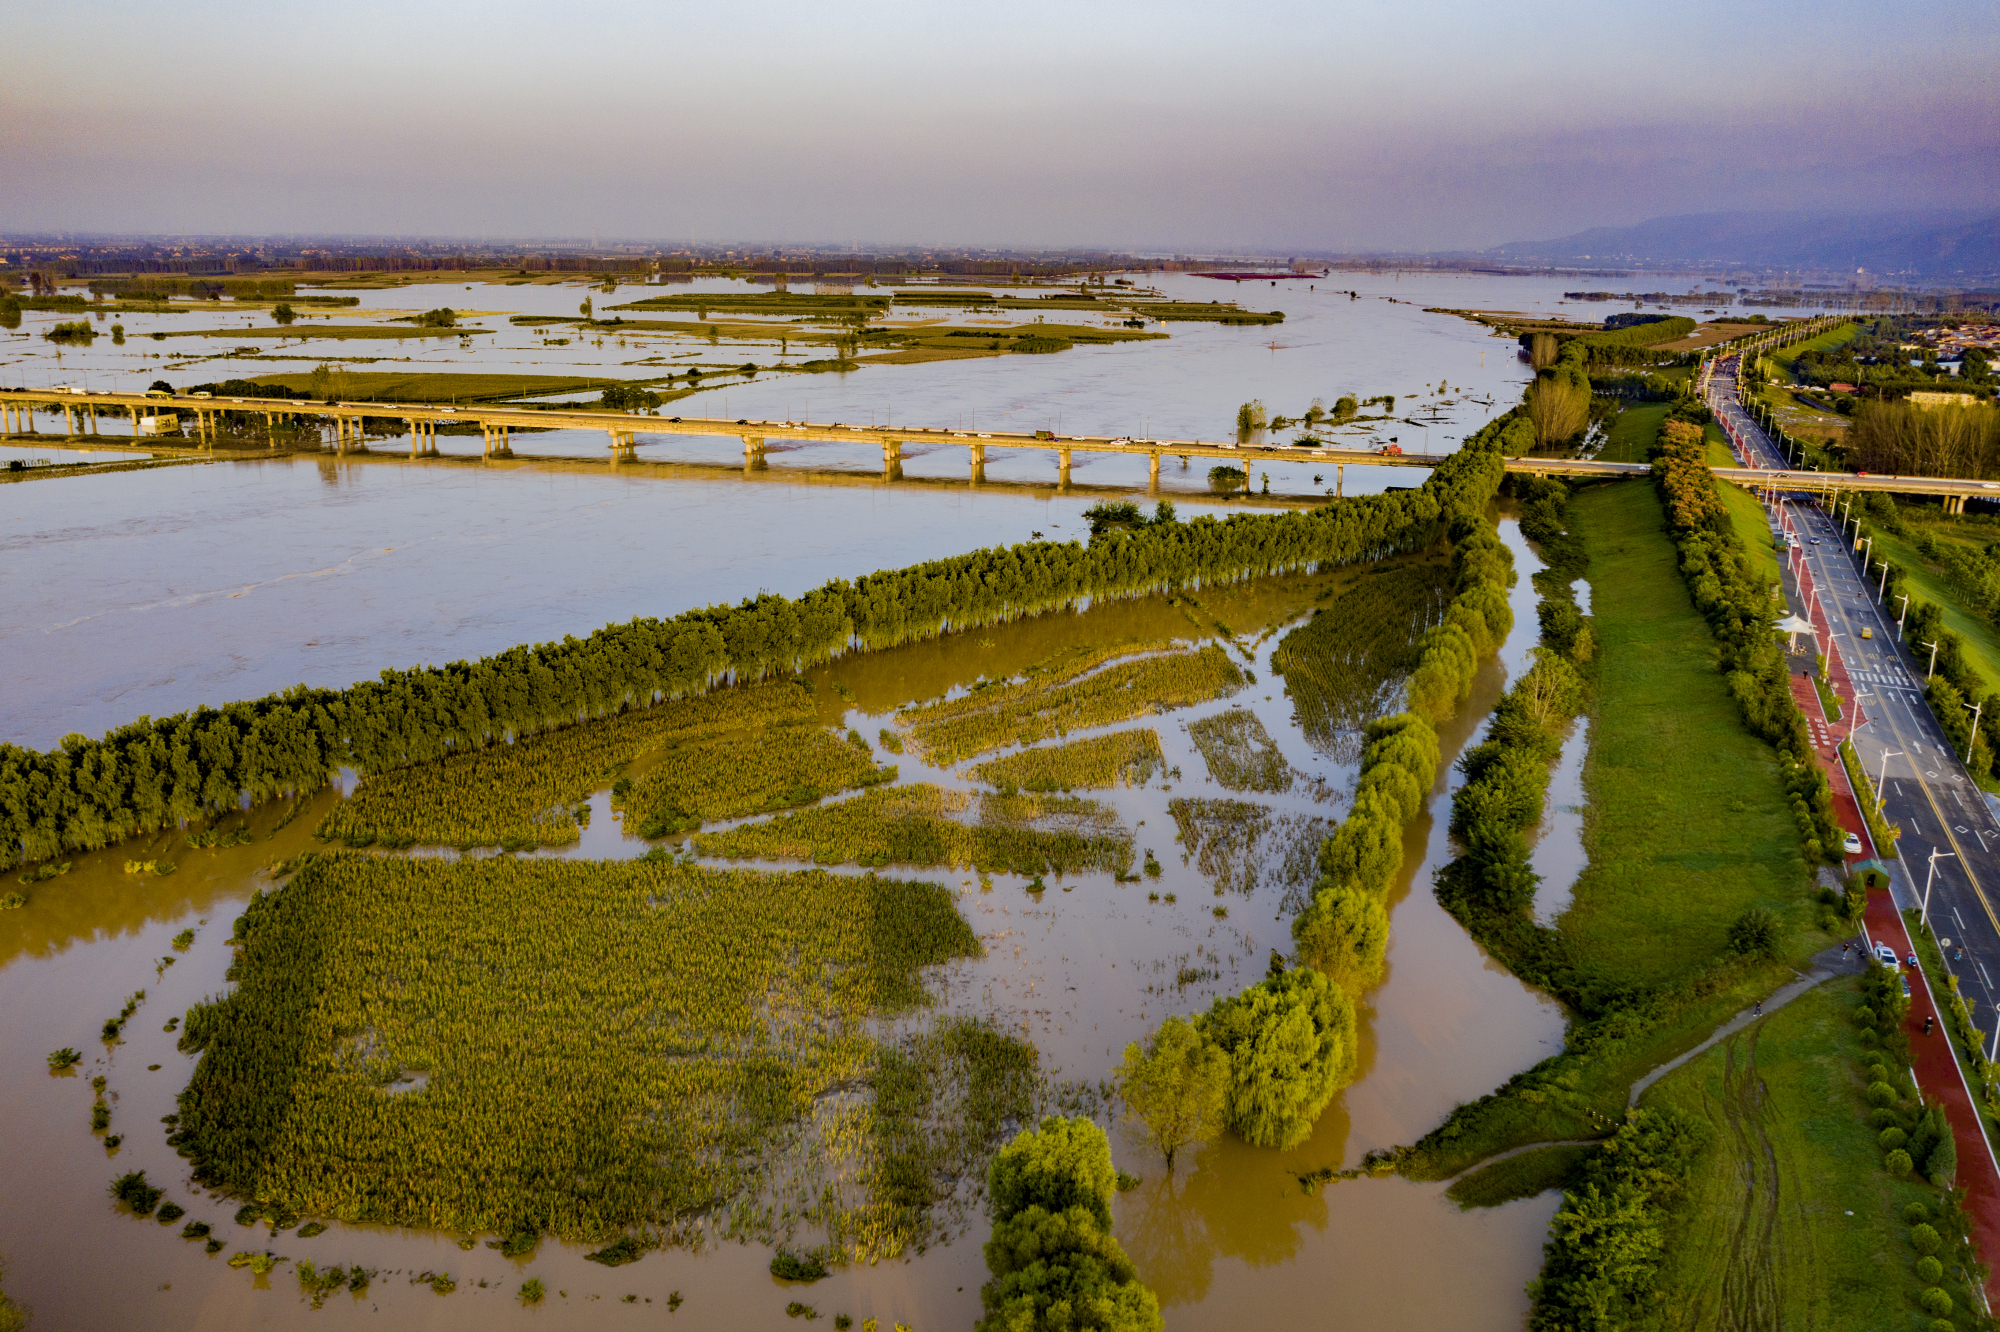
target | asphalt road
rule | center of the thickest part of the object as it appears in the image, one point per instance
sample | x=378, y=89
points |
x=1927, y=791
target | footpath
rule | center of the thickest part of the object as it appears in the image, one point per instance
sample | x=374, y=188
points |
x=1940, y=1079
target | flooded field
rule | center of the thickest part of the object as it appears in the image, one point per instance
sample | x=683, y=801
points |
x=1080, y=969
x=147, y=593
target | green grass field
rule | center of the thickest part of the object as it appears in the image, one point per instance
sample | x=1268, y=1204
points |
x=1634, y=432
x=1982, y=643
x=1832, y=338
x=1687, y=822
x=1789, y=1219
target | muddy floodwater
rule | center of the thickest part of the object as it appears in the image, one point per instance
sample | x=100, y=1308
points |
x=1081, y=969
x=148, y=592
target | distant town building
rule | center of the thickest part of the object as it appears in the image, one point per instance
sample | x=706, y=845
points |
x=1927, y=399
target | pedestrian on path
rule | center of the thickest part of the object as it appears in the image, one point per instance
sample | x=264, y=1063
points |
x=1843, y=951
x=1929, y=1020
x=1758, y=1011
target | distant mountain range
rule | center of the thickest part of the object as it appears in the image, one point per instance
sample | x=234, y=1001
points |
x=1957, y=245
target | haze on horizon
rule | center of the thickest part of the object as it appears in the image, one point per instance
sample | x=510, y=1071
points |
x=1414, y=125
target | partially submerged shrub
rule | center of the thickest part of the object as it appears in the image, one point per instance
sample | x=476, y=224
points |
x=132, y=1189
x=786, y=1267
x=624, y=1249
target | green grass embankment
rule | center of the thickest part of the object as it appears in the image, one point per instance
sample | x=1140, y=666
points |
x=1687, y=823
x=1687, y=826
x=1789, y=1219
x=1634, y=432
x=1982, y=642
x=1745, y=513
x=1826, y=341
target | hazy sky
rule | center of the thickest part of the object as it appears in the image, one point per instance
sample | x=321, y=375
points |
x=1411, y=124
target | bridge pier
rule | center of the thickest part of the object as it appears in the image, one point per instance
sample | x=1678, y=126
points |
x=69, y=421
x=978, y=464
x=1153, y=474
x=623, y=447
x=1062, y=469
x=753, y=453
x=1340, y=480
x=892, y=460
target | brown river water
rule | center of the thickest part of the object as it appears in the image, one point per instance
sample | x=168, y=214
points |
x=145, y=592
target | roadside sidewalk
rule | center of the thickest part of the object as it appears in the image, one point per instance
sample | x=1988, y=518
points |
x=1943, y=1083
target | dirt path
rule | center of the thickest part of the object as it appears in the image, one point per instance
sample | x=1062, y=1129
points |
x=1825, y=966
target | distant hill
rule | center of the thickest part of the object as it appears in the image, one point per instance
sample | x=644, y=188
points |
x=1958, y=244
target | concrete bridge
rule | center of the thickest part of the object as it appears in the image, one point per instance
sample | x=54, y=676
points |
x=85, y=413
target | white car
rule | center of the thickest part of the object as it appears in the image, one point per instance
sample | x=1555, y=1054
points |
x=1885, y=955
x=1850, y=845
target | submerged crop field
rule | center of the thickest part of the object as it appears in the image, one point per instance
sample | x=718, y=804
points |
x=586, y=1049
x=1067, y=699
x=524, y=793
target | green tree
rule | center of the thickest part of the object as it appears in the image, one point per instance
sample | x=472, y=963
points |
x=1061, y=1272
x=1542, y=350
x=1291, y=1045
x=1344, y=935
x=320, y=381
x=283, y=313
x=1055, y=1266
x=1250, y=418
x=1755, y=933
x=1177, y=1086
x=1558, y=408
x=584, y=309
x=1063, y=1164
x=13, y=1316
x=1345, y=406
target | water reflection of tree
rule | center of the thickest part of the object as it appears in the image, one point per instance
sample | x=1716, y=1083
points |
x=1175, y=1229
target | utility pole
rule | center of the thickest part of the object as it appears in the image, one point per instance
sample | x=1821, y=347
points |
x=1936, y=855
x=1882, y=782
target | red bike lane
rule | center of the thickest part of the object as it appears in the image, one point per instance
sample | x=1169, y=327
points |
x=1943, y=1083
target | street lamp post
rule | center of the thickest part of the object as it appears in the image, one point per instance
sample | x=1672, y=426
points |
x=1925, y=914
x=1882, y=782
x=1900, y=618
x=1882, y=592
x=1975, y=724
x=1932, y=669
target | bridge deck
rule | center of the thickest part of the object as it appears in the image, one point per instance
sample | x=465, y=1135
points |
x=757, y=435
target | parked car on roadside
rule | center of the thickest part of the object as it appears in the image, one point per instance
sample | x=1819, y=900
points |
x=1850, y=845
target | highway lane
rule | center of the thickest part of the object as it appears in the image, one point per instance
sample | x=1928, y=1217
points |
x=1926, y=792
